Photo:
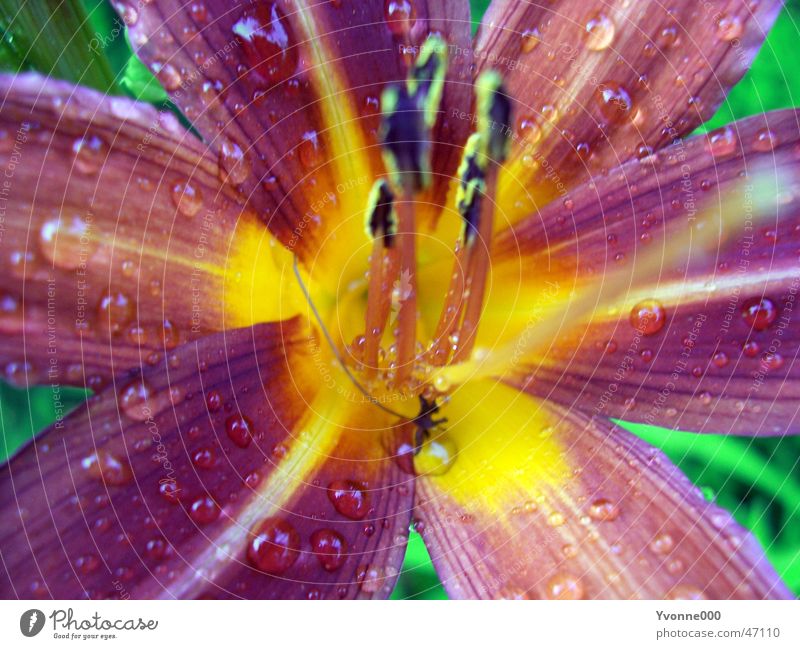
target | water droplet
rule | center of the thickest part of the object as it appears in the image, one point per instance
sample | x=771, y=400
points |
x=204, y=458
x=87, y=564
x=556, y=519
x=530, y=39
x=204, y=510
x=614, y=101
x=214, y=401
x=168, y=75
x=267, y=42
x=274, y=547
x=662, y=544
x=436, y=457
x=600, y=31
x=187, y=198
x=722, y=142
x=239, y=429
x=729, y=27
x=720, y=359
x=105, y=466
x=309, y=150
x=684, y=591
x=759, y=313
x=114, y=312
x=169, y=491
x=330, y=548
x=233, y=164
x=765, y=140
x=134, y=398
x=349, y=498
x=90, y=153
x=603, y=509
x=648, y=317
x=400, y=15
x=564, y=586
x=66, y=241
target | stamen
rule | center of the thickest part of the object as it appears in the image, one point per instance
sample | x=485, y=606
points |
x=407, y=317
x=468, y=201
x=486, y=150
x=381, y=222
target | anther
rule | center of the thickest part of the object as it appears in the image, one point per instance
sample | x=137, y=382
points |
x=425, y=422
x=404, y=139
x=381, y=218
x=426, y=80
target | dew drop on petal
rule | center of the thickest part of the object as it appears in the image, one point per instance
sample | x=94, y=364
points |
x=600, y=30
x=729, y=27
x=107, y=467
x=66, y=241
x=233, y=164
x=400, y=15
x=530, y=39
x=684, y=591
x=268, y=43
x=564, y=585
x=90, y=153
x=614, y=101
x=436, y=457
x=648, y=317
x=350, y=498
x=765, y=140
x=759, y=313
x=722, y=142
x=204, y=510
x=274, y=546
x=310, y=150
x=662, y=544
x=114, y=311
x=603, y=509
x=187, y=198
x=330, y=549
x=134, y=400
x=239, y=429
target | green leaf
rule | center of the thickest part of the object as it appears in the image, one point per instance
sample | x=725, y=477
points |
x=140, y=83
x=54, y=37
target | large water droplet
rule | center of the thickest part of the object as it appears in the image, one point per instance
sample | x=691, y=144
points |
x=114, y=311
x=187, y=198
x=759, y=313
x=134, y=400
x=400, y=16
x=722, y=142
x=349, y=498
x=239, y=429
x=90, y=153
x=66, y=241
x=648, y=317
x=274, y=547
x=103, y=465
x=204, y=510
x=564, y=585
x=330, y=548
x=168, y=75
x=436, y=457
x=234, y=166
x=729, y=27
x=530, y=39
x=765, y=140
x=662, y=544
x=600, y=31
x=268, y=42
x=684, y=591
x=310, y=150
x=603, y=509
x=614, y=101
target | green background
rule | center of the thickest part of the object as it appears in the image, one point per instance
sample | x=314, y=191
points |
x=757, y=480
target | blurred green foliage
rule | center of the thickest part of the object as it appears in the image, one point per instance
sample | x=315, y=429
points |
x=758, y=480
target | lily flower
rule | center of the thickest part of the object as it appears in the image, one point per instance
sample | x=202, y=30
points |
x=393, y=275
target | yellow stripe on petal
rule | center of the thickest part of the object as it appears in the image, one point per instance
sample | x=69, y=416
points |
x=499, y=436
x=259, y=283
